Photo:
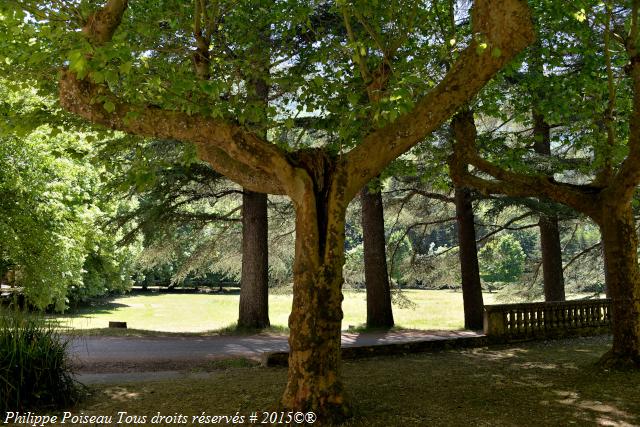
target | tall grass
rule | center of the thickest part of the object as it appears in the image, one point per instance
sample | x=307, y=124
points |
x=34, y=367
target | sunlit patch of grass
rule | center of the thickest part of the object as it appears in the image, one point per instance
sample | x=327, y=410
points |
x=217, y=313
x=560, y=386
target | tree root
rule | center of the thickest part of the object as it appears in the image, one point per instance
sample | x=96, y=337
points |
x=619, y=362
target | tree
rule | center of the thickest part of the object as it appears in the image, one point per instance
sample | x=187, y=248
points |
x=320, y=182
x=254, y=286
x=379, y=311
x=607, y=199
x=438, y=189
x=51, y=244
x=549, y=230
x=182, y=213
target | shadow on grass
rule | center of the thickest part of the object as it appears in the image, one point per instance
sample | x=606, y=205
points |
x=544, y=383
x=532, y=384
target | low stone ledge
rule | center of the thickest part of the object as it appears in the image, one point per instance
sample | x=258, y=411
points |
x=280, y=358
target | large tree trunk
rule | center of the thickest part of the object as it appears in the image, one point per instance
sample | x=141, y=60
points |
x=620, y=242
x=551, y=259
x=254, y=287
x=550, y=247
x=469, y=269
x=379, y=311
x=316, y=316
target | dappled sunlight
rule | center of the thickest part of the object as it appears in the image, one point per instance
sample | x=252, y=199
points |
x=605, y=414
x=122, y=394
x=500, y=386
x=495, y=355
x=533, y=381
x=544, y=365
x=394, y=336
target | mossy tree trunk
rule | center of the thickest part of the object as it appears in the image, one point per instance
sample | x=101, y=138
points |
x=469, y=268
x=620, y=242
x=379, y=309
x=254, y=286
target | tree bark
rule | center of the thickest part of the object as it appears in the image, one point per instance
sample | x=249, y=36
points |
x=469, y=269
x=620, y=242
x=550, y=247
x=254, y=286
x=379, y=309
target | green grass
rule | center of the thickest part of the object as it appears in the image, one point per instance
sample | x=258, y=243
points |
x=199, y=313
x=533, y=384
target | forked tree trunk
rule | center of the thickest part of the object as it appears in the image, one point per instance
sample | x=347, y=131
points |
x=254, y=286
x=620, y=242
x=469, y=269
x=379, y=310
x=551, y=249
x=316, y=316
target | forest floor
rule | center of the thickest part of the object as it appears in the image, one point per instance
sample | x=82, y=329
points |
x=553, y=383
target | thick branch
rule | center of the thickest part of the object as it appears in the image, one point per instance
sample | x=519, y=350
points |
x=628, y=177
x=232, y=151
x=503, y=29
x=514, y=184
x=100, y=26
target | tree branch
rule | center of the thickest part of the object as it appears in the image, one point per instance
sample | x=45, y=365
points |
x=230, y=149
x=503, y=29
x=506, y=226
x=581, y=254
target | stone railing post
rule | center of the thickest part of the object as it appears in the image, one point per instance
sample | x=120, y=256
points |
x=494, y=322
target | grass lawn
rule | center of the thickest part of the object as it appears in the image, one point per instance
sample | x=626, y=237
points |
x=532, y=384
x=198, y=313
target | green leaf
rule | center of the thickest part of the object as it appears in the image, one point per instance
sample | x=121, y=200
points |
x=109, y=107
x=125, y=67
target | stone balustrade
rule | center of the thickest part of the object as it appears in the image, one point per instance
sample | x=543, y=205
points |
x=509, y=322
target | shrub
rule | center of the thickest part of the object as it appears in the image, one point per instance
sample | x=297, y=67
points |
x=34, y=367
